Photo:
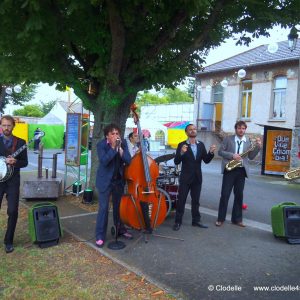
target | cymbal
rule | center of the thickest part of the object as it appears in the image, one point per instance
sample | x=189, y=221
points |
x=165, y=157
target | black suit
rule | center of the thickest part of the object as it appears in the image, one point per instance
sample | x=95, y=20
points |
x=11, y=188
x=190, y=178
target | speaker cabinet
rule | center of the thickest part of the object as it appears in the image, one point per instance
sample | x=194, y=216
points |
x=44, y=224
x=88, y=196
x=286, y=221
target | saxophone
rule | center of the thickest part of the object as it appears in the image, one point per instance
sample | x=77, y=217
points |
x=238, y=163
x=292, y=174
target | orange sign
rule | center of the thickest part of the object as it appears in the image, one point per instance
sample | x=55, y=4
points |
x=278, y=151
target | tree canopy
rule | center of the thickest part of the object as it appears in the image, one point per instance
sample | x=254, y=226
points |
x=108, y=50
x=31, y=110
x=35, y=110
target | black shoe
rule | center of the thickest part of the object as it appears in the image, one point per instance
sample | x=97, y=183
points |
x=9, y=248
x=198, y=224
x=176, y=226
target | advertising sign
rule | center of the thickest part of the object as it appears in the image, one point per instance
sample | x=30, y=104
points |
x=278, y=151
x=73, y=139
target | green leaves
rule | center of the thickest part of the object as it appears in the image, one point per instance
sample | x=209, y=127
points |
x=164, y=96
x=32, y=110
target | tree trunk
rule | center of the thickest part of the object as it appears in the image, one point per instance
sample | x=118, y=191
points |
x=104, y=115
x=2, y=98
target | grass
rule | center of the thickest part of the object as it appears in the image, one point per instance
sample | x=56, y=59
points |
x=71, y=270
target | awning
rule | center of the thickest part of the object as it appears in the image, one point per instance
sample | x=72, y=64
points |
x=177, y=125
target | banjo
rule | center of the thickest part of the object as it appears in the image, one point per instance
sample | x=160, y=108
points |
x=6, y=171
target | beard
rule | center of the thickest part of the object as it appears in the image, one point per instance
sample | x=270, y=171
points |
x=193, y=135
x=7, y=132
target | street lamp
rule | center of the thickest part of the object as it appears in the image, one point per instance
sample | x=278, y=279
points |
x=293, y=38
x=17, y=89
x=9, y=90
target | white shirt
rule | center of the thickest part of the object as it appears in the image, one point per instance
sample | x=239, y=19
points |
x=132, y=148
x=242, y=140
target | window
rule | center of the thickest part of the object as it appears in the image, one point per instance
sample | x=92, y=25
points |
x=160, y=136
x=218, y=93
x=279, y=93
x=246, y=99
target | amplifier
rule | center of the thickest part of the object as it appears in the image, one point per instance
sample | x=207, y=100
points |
x=285, y=219
x=44, y=224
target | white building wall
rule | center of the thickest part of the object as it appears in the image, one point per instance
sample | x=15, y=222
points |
x=164, y=113
x=260, y=110
x=230, y=107
x=262, y=97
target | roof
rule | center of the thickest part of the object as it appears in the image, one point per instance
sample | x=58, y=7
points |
x=255, y=57
x=51, y=119
x=74, y=106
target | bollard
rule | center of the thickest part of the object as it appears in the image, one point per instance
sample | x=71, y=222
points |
x=40, y=161
x=54, y=165
x=40, y=166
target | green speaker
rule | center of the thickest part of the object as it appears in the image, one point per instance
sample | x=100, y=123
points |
x=285, y=218
x=44, y=225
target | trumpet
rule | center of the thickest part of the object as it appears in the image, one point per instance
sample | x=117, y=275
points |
x=292, y=174
x=238, y=163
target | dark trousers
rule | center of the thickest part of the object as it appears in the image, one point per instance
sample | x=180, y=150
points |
x=36, y=144
x=232, y=179
x=11, y=189
x=115, y=189
x=184, y=188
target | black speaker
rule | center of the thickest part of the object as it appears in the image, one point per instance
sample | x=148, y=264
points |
x=44, y=225
x=292, y=224
x=88, y=196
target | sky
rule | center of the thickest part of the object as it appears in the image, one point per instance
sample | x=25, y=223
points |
x=227, y=49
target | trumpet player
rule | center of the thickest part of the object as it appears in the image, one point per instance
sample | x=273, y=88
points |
x=236, y=147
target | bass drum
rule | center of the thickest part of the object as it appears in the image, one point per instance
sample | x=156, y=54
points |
x=6, y=171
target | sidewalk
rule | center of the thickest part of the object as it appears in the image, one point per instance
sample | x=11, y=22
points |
x=213, y=263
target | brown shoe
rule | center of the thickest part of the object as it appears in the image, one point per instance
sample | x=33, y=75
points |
x=241, y=224
x=218, y=223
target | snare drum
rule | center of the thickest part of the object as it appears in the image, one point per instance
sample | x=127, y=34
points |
x=172, y=190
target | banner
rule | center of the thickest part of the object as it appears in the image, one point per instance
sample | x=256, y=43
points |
x=73, y=139
x=278, y=151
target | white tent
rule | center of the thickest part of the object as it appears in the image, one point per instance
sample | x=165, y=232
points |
x=58, y=114
x=52, y=119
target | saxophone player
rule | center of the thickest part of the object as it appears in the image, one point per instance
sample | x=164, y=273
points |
x=235, y=147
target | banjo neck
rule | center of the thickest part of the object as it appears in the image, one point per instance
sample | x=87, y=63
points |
x=17, y=152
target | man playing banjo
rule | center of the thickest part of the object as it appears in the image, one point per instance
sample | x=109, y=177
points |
x=11, y=186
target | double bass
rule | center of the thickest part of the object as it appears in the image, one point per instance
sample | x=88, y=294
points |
x=144, y=206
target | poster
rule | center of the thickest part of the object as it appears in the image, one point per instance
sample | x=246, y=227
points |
x=278, y=151
x=73, y=139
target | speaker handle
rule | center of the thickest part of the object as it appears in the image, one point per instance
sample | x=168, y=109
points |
x=287, y=203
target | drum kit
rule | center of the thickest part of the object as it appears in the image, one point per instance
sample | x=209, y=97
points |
x=167, y=181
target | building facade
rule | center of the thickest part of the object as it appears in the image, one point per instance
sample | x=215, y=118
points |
x=259, y=86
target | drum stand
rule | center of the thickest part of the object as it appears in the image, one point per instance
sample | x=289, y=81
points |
x=148, y=230
x=145, y=234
